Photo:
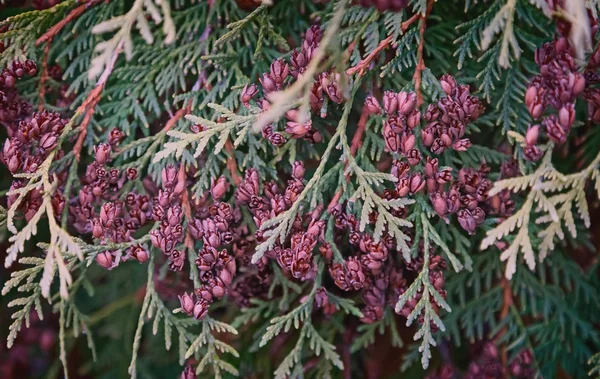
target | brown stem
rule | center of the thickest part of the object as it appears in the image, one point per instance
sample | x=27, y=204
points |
x=73, y=14
x=232, y=164
x=89, y=104
x=420, y=61
x=356, y=144
x=188, y=242
x=187, y=209
x=348, y=334
x=43, y=77
x=507, y=302
x=363, y=65
x=177, y=116
x=48, y=37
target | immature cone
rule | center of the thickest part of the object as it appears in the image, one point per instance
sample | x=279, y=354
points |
x=248, y=93
x=139, y=253
x=105, y=259
x=373, y=105
x=188, y=373
x=532, y=135
x=219, y=188
x=201, y=309
x=187, y=303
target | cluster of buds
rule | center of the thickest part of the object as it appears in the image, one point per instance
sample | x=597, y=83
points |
x=446, y=126
x=116, y=226
x=219, y=225
x=487, y=365
x=117, y=220
x=17, y=70
x=402, y=117
x=273, y=202
x=374, y=297
x=557, y=86
x=25, y=150
x=32, y=142
x=216, y=266
x=101, y=182
x=31, y=139
x=216, y=269
x=253, y=284
x=168, y=212
x=32, y=201
x=465, y=195
x=348, y=275
x=448, y=119
x=12, y=108
x=384, y=5
x=502, y=204
x=326, y=83
x=373, y=254
x=213, y=225
x=296, y=259
x=364, y=271
x=437, y=265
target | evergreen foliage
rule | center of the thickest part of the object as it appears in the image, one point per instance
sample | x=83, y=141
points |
x=173, y=99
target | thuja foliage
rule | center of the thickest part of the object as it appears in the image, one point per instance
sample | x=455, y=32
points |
x=300, y=188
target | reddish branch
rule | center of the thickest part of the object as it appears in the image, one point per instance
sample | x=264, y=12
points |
x=507, y=302
x=76, y=12
x=43, y=77
x=185, y=203
x=348, y=335
x=231, y=163
x=177, y=116
x=356, y=144
x=420, y=61
x=88, y=106
x=48, y=37
x=363, y=65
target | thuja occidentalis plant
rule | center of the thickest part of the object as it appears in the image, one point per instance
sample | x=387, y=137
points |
x=300, y=188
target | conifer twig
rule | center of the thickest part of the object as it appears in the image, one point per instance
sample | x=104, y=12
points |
x=363, y=65
x=89, y=104
x=48, y=37
x=176, y=117
x=187, y=210
x=356, y=144
x=43, y=77
x=507, y=302
x=76, y=12
x=231, y=163
x=284, y=100
x=420, y=61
